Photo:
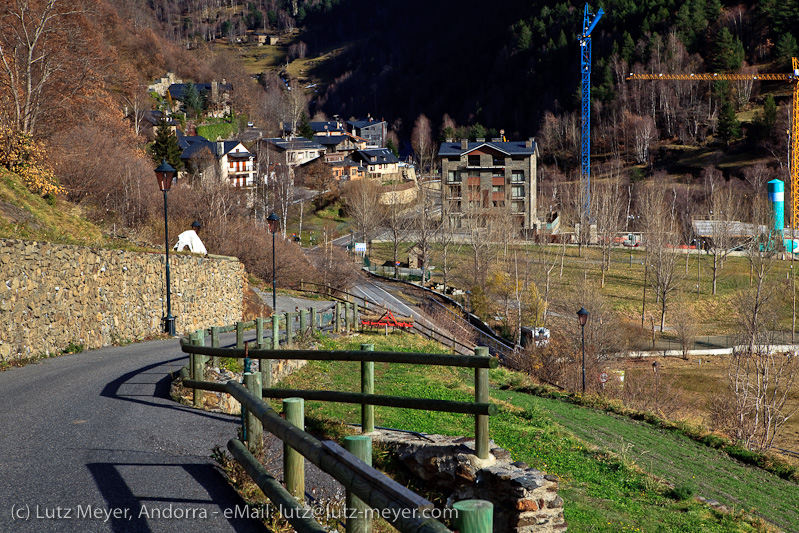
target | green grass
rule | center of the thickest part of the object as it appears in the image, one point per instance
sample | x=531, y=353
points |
x=603, y=491
x=221, y=130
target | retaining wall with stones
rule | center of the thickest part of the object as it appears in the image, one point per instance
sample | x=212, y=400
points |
x=52, y=295
x=525, y=500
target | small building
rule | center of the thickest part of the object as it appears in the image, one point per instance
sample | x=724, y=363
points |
x=377, y=161
x=292, y=151
x=490, y=178
x=374, y=131
x=232, y=160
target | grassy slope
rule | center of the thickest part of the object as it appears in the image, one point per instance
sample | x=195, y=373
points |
x=27, y=216
x=602, y=491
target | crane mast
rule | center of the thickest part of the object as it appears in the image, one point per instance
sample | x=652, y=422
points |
x=589, y=22
x=793, y=133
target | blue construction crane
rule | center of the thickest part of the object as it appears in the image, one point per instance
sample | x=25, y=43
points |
x=589, y=22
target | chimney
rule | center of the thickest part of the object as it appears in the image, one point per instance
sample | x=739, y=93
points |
x=449, y=139
x=220, y=148
x=464, y=144
x=481, y=139
x=529, y=142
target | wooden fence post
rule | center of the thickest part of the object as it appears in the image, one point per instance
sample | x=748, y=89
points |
x=239, y=335
x=215, y=343
x=259, y=333
x=197, y=372
x=200, y=333
x=275, y=332
x=358, y=521
x=293, y=461
x=303, y=320
x=481, y=395
x=337, y=319
x=346, y=317
x=266, y=377
x=255, y=430
x=474, y=516
x=313, y=320
x=288, y=330
x=240, y=339
x=367, y=387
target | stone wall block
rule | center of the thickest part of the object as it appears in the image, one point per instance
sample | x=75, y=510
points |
x=96, y=297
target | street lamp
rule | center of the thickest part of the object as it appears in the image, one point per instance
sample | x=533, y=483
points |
x=164, y=174
x=582, y=315
x=273, y=220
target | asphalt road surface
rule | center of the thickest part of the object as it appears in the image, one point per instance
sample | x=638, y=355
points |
x=92, y=442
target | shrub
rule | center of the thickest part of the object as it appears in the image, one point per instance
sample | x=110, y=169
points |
x=681, y=492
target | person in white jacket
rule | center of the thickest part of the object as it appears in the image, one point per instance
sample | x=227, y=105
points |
x=192, y=240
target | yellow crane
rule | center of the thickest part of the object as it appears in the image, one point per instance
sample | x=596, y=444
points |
x=793, y=78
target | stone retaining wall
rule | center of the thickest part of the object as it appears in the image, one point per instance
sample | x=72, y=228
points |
x=525, y=500
x=52, y=295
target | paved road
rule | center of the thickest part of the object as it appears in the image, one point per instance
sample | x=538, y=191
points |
x=96, y=433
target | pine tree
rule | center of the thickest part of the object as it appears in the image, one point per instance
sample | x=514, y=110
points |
x=305, y=128
x=192, y=99
x=787, y=48
x=728, y=53
x=729, y=128
x=166, y=146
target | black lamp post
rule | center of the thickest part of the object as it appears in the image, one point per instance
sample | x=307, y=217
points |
x=352, y=242
x=582, y=315
x=164, y=174
x=273, y=220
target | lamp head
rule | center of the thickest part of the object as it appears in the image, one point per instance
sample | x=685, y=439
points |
x=582, y=315
x=273, y=220
x=164, y=174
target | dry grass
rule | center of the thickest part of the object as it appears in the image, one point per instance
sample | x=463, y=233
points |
x=698, y=384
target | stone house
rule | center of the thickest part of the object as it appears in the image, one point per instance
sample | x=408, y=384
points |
x=377, y=161
x=490, y=178
x=230, y=159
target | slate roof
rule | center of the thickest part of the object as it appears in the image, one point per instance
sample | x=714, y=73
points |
x=508, y=147
x=177, y=90
x=377, y=156
x=192, y=145
x=707, y=228
x=360, y=124
x=295, y=143
x=332, y=125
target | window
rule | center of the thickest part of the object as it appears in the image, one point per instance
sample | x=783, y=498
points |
x=498, y=189
x=453, y=176
x=455, y=191
x=517, y=207
x=474, y=161
x=517, y=176
x=517, y=191
x=498, y=161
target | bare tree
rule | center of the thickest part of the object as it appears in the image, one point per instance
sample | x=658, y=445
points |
x=363, y=203
x=45, y=63
x=399, y=226
x=725, y=227
x=658, y=210
x=425, y=225
x=610, y=199
x=760, y=379
x=422, y=142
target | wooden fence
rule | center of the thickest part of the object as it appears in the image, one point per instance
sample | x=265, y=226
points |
x=367, y=488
